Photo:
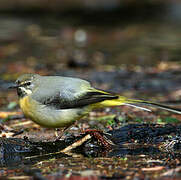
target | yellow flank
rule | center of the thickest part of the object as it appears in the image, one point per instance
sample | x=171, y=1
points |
x=113, y=102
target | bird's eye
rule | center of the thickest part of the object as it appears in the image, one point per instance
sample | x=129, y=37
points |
x=28, y=83
x=18, y=82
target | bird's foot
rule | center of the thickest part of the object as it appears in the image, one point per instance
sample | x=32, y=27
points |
x=59, y=133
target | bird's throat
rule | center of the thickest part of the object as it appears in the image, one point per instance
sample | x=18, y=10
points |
x=22, y=92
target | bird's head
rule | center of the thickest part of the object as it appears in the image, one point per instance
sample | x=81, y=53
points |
x=25, y=84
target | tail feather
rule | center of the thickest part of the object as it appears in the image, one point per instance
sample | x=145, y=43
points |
x=121, y=100
x=153, y=104
x=139, y=107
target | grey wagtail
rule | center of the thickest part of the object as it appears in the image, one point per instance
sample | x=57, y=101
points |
x=55, y=101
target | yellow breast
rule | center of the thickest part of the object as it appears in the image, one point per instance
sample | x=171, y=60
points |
x=25, y=105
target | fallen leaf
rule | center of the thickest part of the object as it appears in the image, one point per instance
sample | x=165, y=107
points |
x=4, y=114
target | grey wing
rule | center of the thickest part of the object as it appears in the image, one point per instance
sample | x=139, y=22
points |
x=70, y=94
x=80, y=101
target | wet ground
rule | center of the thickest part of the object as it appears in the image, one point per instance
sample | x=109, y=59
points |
x=139, y=150
x=138, y=59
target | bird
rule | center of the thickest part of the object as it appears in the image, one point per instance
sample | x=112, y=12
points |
x=58, y=102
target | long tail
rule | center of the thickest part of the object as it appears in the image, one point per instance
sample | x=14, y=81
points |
x=153, y=104
x=138, y=104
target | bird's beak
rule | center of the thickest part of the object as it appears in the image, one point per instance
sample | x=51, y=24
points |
x=13, y=86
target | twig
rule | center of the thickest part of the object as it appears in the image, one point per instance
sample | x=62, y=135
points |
x=76, y=144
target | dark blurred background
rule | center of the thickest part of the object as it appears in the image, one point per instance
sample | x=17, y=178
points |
x=65, y=37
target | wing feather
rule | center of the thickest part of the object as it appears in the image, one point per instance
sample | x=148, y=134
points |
x=88, y=98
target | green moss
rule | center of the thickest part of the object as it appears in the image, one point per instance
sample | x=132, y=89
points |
x=167, y=120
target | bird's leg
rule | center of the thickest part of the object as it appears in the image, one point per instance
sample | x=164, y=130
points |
x=65, y=129
x=56, y=132
x=59, y=135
